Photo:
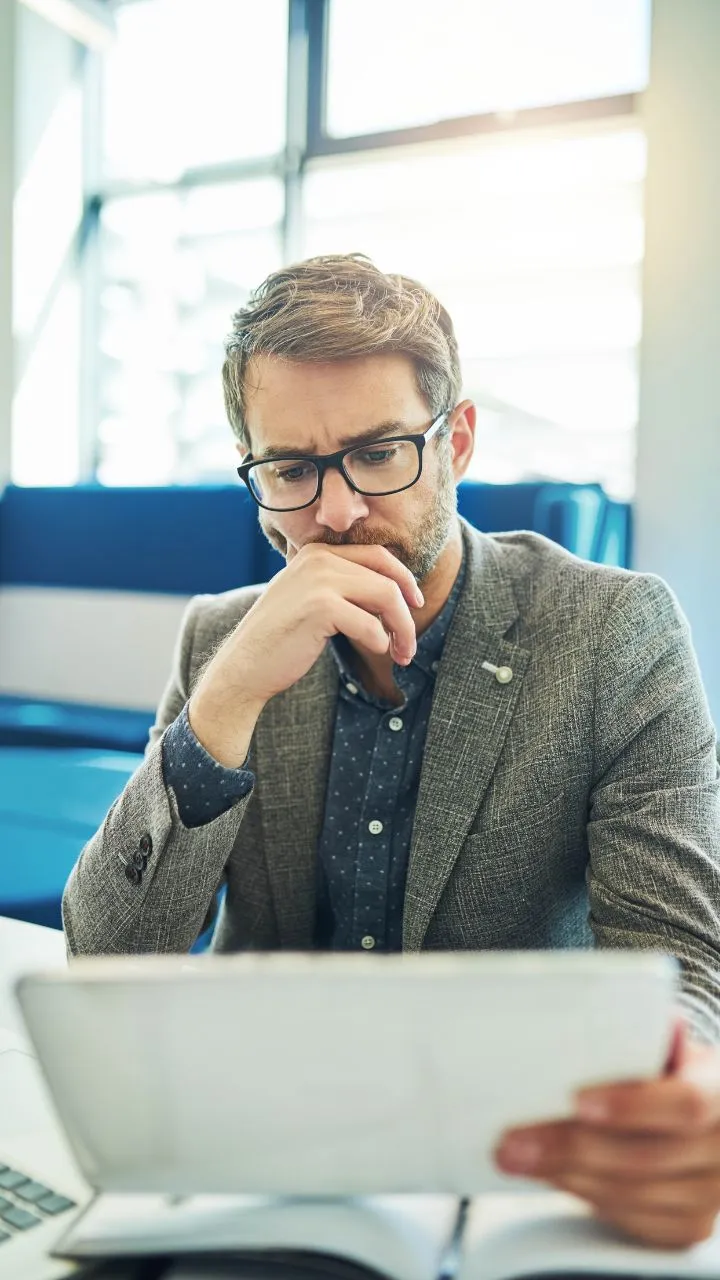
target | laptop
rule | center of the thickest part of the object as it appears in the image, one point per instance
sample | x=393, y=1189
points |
x=41, y=1188
x=314, y=1075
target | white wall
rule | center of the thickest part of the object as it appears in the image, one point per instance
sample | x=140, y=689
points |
x=108, y=648
x=678, y=479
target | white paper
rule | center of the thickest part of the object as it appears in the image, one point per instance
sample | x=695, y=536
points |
x=334, y=1075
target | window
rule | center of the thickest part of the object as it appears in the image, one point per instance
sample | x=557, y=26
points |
x=231, y=136
x=47, y=219
x=176, y=265
x=414, y=62
x=192, y=83
x=534, y=245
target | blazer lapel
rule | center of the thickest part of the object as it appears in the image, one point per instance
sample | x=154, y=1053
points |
x=470, y=716
x=293, y=742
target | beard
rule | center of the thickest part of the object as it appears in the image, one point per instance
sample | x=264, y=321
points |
x=418, y=546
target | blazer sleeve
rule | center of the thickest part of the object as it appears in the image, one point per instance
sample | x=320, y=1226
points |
x=115, y=904
x=654, y=819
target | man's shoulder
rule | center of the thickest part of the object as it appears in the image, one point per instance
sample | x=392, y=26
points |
x=552, y=584
x=531, y=557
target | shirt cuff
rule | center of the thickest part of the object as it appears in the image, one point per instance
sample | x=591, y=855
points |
x=204, y=789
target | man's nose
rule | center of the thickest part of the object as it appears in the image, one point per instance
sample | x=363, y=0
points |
x=338, y=506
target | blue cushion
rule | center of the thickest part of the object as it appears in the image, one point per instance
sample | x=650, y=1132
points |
x=35, y=722
x=51, y=803
x=177, y=540
x=579, y=517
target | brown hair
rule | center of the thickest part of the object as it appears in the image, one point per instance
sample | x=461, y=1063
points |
x=334, y=308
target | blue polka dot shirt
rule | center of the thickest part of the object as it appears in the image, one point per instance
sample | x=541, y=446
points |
x=372, y=788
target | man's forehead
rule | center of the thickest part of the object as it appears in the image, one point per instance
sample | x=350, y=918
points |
x=313, y=407
x=310, y=445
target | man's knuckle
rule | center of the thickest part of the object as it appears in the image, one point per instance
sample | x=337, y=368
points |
x=645, y=1157
x=698, y=1112
x=565, y=1149
x=323, y=599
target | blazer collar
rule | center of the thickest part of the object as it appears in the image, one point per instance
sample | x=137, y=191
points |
x=470, y=717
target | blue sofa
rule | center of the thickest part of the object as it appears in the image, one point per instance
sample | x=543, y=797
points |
x=63, y=762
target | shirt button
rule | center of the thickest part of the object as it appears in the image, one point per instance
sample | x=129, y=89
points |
x=434, y=666
x=375, y=827
x=395, y=723
x=368, y=942
x=351, y=688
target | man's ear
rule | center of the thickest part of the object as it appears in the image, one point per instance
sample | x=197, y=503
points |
x=462, y=436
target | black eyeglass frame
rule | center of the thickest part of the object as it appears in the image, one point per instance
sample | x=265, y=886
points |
x=322, y=462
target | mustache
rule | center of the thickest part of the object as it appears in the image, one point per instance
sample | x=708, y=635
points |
x=356, y=536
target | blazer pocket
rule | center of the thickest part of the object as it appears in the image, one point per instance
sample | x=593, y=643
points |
x=510, y=881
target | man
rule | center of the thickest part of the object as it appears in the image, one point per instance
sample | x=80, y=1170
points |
x=418, y=736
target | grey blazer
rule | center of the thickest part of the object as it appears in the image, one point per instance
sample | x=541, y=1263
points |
x=577, y=804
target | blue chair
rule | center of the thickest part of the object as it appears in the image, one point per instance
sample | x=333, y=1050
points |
x=580, y=518
x=51, y=803
x=183, y=540
x=166, y=541
x=174, y=541
x=34, y=722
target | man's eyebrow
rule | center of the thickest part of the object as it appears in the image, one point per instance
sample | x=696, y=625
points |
x=392, y=426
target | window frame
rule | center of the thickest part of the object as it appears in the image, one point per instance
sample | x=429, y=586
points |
x=307, y=139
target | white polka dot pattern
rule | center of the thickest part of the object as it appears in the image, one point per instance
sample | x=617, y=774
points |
x=371, y=796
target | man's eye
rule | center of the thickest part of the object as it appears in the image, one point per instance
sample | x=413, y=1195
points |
x=297, y=472
x=375, y=457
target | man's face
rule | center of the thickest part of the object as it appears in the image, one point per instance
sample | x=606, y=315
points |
x=318, y=408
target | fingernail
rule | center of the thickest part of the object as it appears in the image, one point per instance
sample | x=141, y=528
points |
x=419, y=598
x=519, y=1155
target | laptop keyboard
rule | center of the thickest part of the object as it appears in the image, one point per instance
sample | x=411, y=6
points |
x=25, y=1203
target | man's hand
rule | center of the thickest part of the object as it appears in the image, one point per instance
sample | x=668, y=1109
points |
x=362, y=592
x=645, y=1155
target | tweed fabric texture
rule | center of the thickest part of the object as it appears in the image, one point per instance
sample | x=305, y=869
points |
x=576, y=805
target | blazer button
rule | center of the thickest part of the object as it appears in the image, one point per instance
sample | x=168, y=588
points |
x=133, y=874
x=139, y=860
x=146, y=844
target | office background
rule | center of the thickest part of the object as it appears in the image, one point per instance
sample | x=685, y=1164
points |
x=550, y=168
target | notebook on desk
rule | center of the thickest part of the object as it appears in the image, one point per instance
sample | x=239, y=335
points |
x=285, y=1108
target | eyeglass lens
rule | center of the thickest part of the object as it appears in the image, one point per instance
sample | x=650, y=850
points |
x=286, y=483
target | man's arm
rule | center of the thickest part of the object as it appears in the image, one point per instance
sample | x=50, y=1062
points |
x=145, y=882
x=646, y=1154
x=654, y=822
x=115, y=904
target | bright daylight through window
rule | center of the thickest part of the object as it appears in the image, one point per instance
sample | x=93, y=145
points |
x=493, y=150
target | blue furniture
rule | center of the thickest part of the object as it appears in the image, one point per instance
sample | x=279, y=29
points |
x=35, y=722
x=63, y=764
x=183, y=540
x=51, y=803
x=165, y=541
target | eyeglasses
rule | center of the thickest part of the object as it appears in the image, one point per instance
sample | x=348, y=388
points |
x=376, y=469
